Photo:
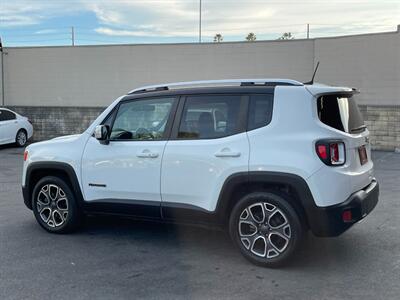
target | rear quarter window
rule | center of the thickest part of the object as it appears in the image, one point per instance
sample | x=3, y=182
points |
x=260, y=111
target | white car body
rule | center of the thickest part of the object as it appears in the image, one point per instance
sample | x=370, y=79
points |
x=11, y=126
x=192, y=173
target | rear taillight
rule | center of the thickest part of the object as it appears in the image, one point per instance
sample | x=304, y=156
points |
x=332, y=153
x=322, y=152
x=25, y=155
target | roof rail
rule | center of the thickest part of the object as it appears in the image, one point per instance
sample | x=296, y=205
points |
x=215, y=83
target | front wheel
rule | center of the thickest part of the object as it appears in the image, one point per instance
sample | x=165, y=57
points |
x=54, y=205
x=266, y=228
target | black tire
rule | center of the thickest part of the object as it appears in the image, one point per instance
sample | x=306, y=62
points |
x=61, y=207
x=21, y=138
x=276, y=210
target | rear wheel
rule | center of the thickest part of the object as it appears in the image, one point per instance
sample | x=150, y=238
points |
x=266, y=228
x=21, y=138
x=54, y=205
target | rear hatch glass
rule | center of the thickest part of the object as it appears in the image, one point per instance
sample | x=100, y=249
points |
x=340, y=112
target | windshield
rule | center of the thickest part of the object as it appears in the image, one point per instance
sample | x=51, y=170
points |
x=340, y=112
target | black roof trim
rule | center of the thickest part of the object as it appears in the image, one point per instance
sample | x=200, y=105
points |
x=256, y=89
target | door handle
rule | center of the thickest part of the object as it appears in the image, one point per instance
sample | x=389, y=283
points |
x=227, y=153
x=147, y=154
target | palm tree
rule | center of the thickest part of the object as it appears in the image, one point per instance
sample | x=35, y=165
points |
x=218, y=38
x=286, y=36
x=251, y=37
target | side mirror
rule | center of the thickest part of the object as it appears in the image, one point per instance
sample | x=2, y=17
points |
x=101, y=133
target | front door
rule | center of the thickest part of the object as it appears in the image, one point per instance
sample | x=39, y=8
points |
x=127, y=170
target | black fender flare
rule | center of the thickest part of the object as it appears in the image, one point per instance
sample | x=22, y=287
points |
x=295, y=182
x=50, y=166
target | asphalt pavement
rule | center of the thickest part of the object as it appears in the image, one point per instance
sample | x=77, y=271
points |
x=112, y=258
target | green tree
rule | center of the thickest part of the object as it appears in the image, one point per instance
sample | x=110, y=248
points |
x=251, y=37
x=218, y=38
x=286, y=36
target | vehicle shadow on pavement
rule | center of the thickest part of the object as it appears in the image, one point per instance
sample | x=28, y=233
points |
x=14, y=147
x=201, y=243
x=8, y=146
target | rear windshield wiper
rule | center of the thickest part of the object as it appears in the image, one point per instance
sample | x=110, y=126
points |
x=358, y=128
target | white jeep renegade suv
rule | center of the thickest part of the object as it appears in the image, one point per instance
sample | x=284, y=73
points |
x=266, y=159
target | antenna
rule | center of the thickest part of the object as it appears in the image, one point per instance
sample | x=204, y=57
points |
x=315, y=72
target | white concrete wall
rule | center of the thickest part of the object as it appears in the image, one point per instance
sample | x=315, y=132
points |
x=95, y=75
x=368, y=62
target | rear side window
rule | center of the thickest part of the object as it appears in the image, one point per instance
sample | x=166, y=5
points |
x=260, y=111
x=340, y=112
x=6, y=115
x=209, y=117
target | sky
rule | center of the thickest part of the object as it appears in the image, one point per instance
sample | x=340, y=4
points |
x=39, y=22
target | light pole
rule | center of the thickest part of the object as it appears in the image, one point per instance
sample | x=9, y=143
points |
x=200, y=22
x=2, y=74
x=73, y=36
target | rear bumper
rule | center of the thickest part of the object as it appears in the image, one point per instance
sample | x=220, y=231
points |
x=361, y=203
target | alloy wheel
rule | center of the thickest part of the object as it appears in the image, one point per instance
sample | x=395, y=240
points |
x=21, y=138
x=264, y=230
x=52, y=205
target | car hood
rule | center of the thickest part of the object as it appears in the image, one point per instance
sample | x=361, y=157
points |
x=71, y=137
x=67, y=140
x=65, y=149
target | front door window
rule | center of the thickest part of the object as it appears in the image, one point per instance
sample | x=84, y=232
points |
x=142, y=120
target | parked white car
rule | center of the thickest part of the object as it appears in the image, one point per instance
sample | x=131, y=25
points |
x=266, y=159
x=14, y=128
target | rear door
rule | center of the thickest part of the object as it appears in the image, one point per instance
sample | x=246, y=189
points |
x=203, y=152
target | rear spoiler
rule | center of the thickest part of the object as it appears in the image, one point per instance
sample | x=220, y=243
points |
x=317, y=90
